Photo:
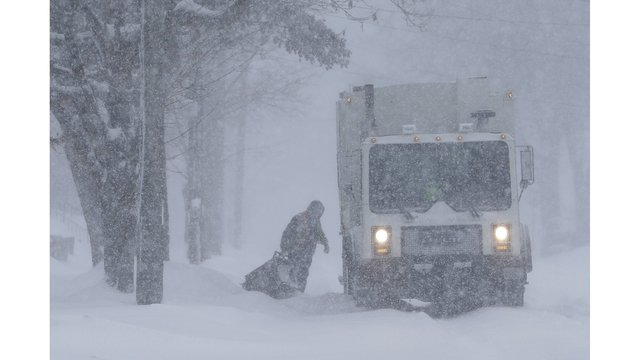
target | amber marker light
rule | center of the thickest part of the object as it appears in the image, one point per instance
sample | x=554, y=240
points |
x=373, y=140
x=503, y=136
x=416, y=139
x=438, y=138
x=460, y=137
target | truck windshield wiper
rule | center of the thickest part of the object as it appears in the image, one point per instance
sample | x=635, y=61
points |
x=407, y=213
x=474, y=212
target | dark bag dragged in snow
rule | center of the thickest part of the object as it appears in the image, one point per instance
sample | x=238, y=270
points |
x=273, y=278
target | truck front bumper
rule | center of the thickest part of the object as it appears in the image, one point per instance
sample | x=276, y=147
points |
x=425, y=277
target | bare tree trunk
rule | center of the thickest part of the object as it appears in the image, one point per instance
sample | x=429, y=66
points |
x=68, y=109
x=193, y=203
x=165, y=209
x=204, y=173
x=238, y=195
x=153, y=234
x=212, y=176
x=193, y=190
x=92, y=115
x=88, y=187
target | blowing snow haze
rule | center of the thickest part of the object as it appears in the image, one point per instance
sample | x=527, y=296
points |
x=183, y=145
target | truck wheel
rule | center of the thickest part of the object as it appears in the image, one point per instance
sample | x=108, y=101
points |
x=363, y=301
x=366, y=299
x=347, y=281
x=513, y=286
x=347, y=258
x=513, y=295
x=525, y=250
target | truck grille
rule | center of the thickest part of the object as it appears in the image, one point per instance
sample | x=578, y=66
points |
x=441, y=240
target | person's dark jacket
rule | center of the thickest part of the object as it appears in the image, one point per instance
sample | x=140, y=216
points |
x=301, y=236
x=299, y=241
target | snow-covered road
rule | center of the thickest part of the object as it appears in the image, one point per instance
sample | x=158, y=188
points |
x=207, y=315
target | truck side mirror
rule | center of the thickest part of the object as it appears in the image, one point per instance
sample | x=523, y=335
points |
x=526, y=165
x=526, y=168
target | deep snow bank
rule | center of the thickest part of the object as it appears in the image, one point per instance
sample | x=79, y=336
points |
x=560, y=283
x=206, y=314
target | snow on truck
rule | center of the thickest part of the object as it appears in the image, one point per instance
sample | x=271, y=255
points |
x=429, y=179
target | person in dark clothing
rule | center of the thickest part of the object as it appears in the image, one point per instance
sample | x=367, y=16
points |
x=299, y=241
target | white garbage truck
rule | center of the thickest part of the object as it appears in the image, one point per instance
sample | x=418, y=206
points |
x=430, y=179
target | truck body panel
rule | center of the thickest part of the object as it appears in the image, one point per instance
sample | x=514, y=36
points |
x=435, y=166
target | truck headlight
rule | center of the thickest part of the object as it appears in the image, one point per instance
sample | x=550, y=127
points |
x=382, y=236
x=381, y=239
x=502, y=237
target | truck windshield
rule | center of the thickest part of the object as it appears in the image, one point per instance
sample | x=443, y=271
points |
x=465, y=175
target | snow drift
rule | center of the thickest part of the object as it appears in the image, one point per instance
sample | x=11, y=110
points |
x=205, y=314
